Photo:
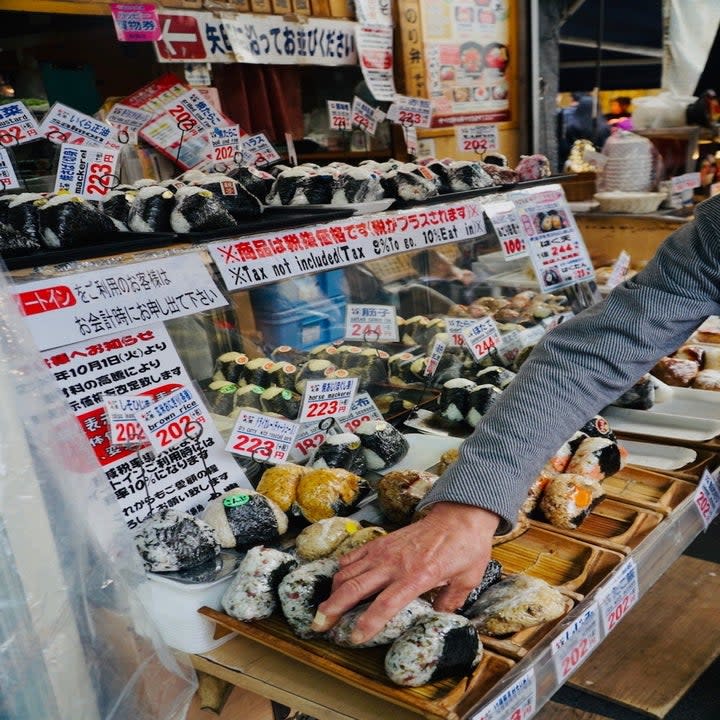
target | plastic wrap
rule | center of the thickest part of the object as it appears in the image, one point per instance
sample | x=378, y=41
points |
x=75, y=641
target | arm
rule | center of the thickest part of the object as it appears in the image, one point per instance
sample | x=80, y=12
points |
x=579, y=368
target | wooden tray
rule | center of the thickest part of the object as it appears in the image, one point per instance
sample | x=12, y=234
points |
x=644, y=488
x=565, y=562
x=364, y=668
x=612, y=524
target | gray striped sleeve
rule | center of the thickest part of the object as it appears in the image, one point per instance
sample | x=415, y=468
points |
x=583, y=365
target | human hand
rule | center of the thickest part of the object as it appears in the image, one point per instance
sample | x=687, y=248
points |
x=448, y=548
x=466, y=277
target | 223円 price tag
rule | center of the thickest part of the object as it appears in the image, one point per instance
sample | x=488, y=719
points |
x=619, y=596
x=371, y=323
x=86, y=171
x=572, y=646
x=327, y=398
x=262, y=438
x=340, y=115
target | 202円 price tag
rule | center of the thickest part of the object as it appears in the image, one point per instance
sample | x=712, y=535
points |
x=225, y=143
x=8, y=177
x=172, y=419
x=340, y=114
x=327, y=398
x=505, y=220
x=707, y=497
x=362, y=410
x=479, y=139
x=86, y=171
x=438, y=349
x=482, y=337
x=17, y=125
x=257, y=150
x=619, y=596
x=573, y=645
x=371, y=323
x=455, y=328
x=262, y=438
x=121, y=412
x=517, y=702
x=308, y=439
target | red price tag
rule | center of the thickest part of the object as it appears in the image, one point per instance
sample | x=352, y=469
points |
x=128, y=433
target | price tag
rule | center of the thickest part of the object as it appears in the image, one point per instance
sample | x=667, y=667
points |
x=573, y=645
x=225, y=143
x=619, y=596
x=479, y=139
x=121, y=412
x=327, y=398
x=340, y=114
x=482, y=337
x=619, y=270
x=410, y=111
x=363, y=410
x=124, y=117
x=62, y=124
x=516, y=702
x=411, y=140
x=193, y=112
x=172, y=419
x=371, y=323
x=505, y=220
x=516, y=340
x=455, y=327
x=681, y=183
x=308, y=439
x=262, y=438
x=8, y=177
x=365, y=116
x=707, y=497
x=17, y=125
x=257, y=150
x=86, y=171
x=554, y=320
x=136, y=23
x=436, y=354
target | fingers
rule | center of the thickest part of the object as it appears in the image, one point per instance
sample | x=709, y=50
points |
x=455, y=593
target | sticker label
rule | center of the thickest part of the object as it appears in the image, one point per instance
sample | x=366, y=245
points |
x=327, y=398
x=619, y=596
x=262, y=438
x=572, y=646
x=371, y=323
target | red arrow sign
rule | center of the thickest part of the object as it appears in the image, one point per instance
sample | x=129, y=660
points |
x=181, y=38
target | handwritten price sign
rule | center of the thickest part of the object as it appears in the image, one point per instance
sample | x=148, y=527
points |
x=8, y=177
x=623, y=592
x=340, y=114
x=172, y=419
x=482, y=337
x=86, y=171
x=262, y=438
x=362, y=410
x=505, y=220
x=327, y=398
x=517, y=702
x=17, y=125
x=257, y=150
x=122, y=418
x=573, y=645
x=707, y=498
x=371, y=323
x=479, y=139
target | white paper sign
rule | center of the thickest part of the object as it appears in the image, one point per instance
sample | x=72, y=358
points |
x=17, y=125
x=121, y=412
x=479, y=139
x=226, y=144
x=257, y=150
x=438, y=349
x=455, y=327
x=363, y=410
x=127, y=118
x=482, y=337
x=60, y=311
x=410, y=111
x=517, y=702
x=62, y=124
x=86, y=171
x=8, y=177
x=619, y=270
x=411, y=139
x=365, y=116
x=681, y=183
x=307, y=441
x=262, y=438
x=374, y=12
x=622, y=592
x=371, y=323
x=173, y=419
x=375, y=52
x=327, y=398
x=707, y=497
x=340, y=114
x=505, y=220
x=572, y=646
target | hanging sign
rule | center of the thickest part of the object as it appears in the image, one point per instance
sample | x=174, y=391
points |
x=618, y=596
x=365, y=116
x=8, y=177
x=62, y=124
x=363, y=410
x=257, y=150
x=226, y=143
x=375, y=51
x=479, y=139
x=340, y=114
x=262, y=438
x=192, y=37
x=327, y=398
x=482, y=337
x=371, y=323
x=17, y=125
x=86, y=171
x=135, y=23
x=308, y=439
x=410, y=111
x=572, y=646
x=505, y=220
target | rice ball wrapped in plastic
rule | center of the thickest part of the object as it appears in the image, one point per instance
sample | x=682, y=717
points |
x=343, y=450
x=400, y=491
x=357, y=539
x=383, y=445
x=596, y=458
x=279, y=483
x=324, y=536
x=243, y=518
x=171, y=540
x=568, y=499
x=324, y=492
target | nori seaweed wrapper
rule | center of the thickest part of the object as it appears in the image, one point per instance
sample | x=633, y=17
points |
x=254, y=181
x=383, y=445
x=230, y=366
x=493, y=573
x=151, y=209
x=252, y=522
x=282, y=401
x=239, y=202
x=221, y=397
x=341, y=451
x=198, y=210
x=248, y=396
x=117, y=206
x=70, y=221
x=13, y=243
x=22, y=215
x=285, y=353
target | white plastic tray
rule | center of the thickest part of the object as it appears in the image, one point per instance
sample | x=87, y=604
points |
x=425, y=451
x=661, y=425
x=421, y=424
x=689, y=402
x=658, y=457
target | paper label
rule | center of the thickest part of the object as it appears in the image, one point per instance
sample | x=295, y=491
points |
x=482, y=337
x=226, y=144
x=411, y=139
x=479, y=139
x=681, y=183
x=262, y=438
x=86, y=171
x=257, y=150
x=371, y=323
x=505, y=220
x=622, y=592
x=136, y=23
x=374, y=12
x=121, y=412
x=327, y=398
x=375, y=52
x=307, y=441
x=707, y=497
x=363, y=410
x=410, y=111
x=340, y=114
x=619, y=270
x=17, y=125
x=455, y=327
x=127, y=118
x=8, y=177
x=153, y=97
x=198, y=74
x=436, y=354
x=517, y=702
x=365, y=116
x=574, y=644
x=62, y=124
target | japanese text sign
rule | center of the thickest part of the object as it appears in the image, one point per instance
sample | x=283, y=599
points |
x=121, y=412
x=17, y=125
x=262, y=438
x=618, y=595
x=339, y=113
x=257, y=150
x=505, y=220
x=571, y=647
x=8, y=177
x=327, y=398
x=363, y=410
x=516, y=702
x=482, y=337
x=62, y=124
x=86, y=171
x=135, y=23
x=478, y=139
x=707, y=497
x=371, y=323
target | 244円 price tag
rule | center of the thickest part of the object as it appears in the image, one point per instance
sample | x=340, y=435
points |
x=619, y=596
x=262, y=438
x=371, y=323
x=327, y=398
x=482, y=337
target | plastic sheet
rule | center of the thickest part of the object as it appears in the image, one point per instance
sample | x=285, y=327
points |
x=75, y=641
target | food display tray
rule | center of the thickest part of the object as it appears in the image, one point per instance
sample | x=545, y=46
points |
x=675, y=460
x=612, y=524
x=644, y=488
x=643, y=424
x=364, y=668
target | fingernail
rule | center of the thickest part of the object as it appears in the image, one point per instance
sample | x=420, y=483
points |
x=319, y=622
x=356, y=637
